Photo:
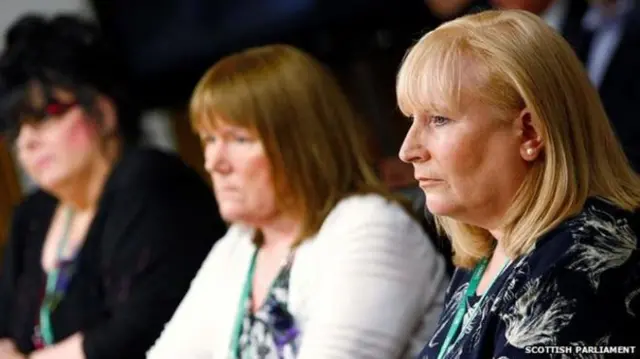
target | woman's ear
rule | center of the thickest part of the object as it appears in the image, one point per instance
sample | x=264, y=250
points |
x=531, y=143
x=107, y=116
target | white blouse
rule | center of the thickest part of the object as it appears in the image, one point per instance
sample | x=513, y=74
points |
x=369, y=284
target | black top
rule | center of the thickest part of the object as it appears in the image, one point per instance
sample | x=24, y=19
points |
x=577, y=291
x=155, y=224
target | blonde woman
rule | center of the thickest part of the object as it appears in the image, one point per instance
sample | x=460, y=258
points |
x=321, y=261
x=522, y=170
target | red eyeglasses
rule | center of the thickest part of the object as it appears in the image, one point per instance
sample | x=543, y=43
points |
x=55, y=108
x=28, y=114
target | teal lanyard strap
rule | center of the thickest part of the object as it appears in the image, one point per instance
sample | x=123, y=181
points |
x=242, y=307
x=46, y=330
x=462, y=306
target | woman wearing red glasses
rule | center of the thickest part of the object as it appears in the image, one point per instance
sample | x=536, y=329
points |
x=102, y=253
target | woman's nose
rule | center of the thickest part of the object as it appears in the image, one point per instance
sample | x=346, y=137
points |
x=413, y=149
x=215, y=157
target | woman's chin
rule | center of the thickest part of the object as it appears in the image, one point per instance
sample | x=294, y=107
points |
x=439, y=206
x=51, y=182
x=231, y=213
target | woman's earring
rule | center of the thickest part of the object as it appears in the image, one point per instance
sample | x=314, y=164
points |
x=530, y=151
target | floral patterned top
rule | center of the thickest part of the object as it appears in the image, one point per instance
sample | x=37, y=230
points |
x=271, y=331
x=575, y=295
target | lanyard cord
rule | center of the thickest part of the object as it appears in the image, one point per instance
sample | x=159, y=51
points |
x=51, y=297
x=449, y=343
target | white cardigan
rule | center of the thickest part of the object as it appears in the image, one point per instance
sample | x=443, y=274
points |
x=368, y=285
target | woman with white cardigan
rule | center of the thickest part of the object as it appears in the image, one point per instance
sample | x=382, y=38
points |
x=320, y=260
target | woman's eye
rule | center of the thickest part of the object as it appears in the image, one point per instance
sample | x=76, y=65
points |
x=208, y=139
x=439, y=120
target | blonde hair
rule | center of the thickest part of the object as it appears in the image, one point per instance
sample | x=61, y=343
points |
x=512, y=60
x=315, y=143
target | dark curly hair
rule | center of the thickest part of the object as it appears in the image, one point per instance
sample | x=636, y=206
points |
x=63, y=52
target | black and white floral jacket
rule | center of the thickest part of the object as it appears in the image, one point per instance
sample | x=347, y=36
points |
x=576, y=295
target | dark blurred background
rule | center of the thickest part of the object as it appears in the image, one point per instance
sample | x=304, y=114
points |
x=174, y=41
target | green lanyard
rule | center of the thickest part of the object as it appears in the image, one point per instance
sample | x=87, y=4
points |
x=242, y=307
x=46, y=329
x=447, y=345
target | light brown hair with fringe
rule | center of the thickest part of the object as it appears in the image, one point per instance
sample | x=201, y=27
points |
x=315, y=142
x=512, y=60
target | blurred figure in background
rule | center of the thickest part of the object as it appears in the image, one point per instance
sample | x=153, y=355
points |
x=321, y=260
x=555, y=12
x=101, y=255
x=522, y=169
x=606, y=36
x=607, y=40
